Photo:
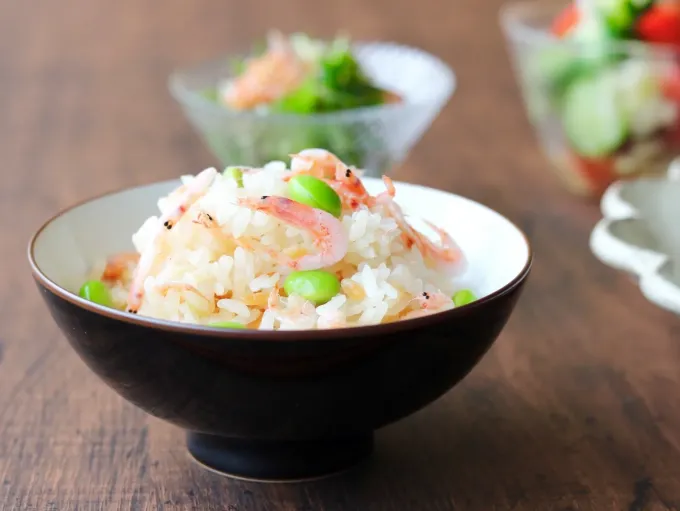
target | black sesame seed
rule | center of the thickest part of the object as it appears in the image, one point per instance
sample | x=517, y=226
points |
x=426, y=295
x=348, y=173
x=264, y=197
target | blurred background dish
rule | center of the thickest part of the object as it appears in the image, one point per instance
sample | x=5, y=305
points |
x=601, y=88
x=639, y=234
x=375, y=134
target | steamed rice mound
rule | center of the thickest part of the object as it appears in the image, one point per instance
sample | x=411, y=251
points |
x=208, y=275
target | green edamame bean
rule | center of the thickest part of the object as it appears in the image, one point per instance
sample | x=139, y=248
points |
x=463, y=297
x=97, y=292
x=234, y=173
x=317, y=286
x=228, y=324
x=316, y=193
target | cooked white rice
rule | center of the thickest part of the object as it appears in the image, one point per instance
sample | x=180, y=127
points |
x=380, y=276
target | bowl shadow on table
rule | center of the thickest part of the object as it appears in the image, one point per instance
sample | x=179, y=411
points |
x=474, y=457
x=465, y=448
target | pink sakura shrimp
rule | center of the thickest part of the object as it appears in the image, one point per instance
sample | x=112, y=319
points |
x=329, y=235
x=181, y=286
x=432, y=301
x=350, y=189
x=323, y=164
x=447, y=258
x=289, y=314
x=449, y=255
x=206, y=220
x=313, y=162
x=189, y=194
x=428, y=303
x=274, y=298
x=267, y=77
x=209, y=222
x=390, y=189
x=118, y=266
x=353, y=194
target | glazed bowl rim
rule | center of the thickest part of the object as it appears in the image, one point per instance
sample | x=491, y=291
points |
x=266, y=335
x=193, y=100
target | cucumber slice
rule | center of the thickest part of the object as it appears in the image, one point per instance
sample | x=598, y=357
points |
x=556, y=66
x=592, y=117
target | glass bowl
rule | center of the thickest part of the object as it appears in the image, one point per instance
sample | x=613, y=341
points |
x=372, y=138
x=602, y=112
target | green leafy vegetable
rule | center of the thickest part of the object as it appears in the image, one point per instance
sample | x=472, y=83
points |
x=303, y=100
x=336, y=82
x=210, y=94
x=620, y=16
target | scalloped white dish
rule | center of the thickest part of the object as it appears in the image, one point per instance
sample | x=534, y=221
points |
x=640, y=234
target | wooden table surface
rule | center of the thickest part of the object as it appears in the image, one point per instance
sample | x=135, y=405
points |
x=576, y=407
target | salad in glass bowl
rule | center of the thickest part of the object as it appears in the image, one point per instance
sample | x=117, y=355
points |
x=601, y=83
x=298, y=75
x=368, y=103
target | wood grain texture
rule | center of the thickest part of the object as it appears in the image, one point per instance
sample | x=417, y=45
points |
x=575, y=408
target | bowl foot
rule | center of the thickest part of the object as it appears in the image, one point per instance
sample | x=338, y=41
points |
x=278, y=460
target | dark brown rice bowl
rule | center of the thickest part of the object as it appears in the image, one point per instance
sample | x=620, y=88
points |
x=278, y=405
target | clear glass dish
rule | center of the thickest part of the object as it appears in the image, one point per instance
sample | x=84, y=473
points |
x=601, y=111
x=372, y=138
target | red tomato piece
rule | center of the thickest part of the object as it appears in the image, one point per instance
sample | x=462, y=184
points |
x=670, y=85
x=660, y=24
x=565, y=20
x=599, y=173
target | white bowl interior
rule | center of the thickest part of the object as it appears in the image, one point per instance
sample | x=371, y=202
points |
x=69, y=245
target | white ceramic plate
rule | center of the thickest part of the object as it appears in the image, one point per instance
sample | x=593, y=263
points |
x=640, y=234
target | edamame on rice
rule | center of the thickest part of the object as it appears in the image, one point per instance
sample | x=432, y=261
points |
x=239, y=249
